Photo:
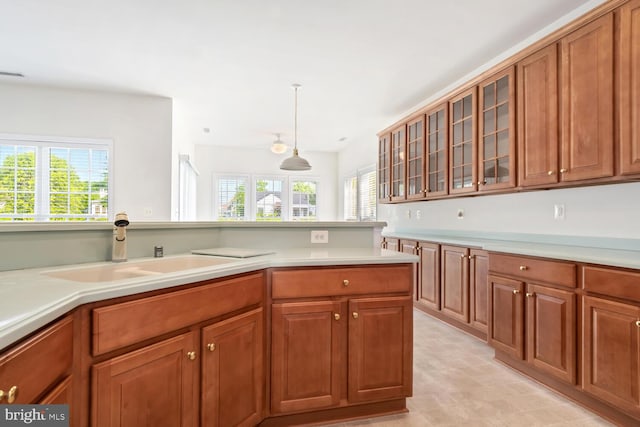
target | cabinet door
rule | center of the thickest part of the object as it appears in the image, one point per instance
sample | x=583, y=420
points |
x=398, y=162
x=62, y=394
x=429, y=275
x=380, y=343
x=478, y=290
x=305, y=355
x=587, y=134
x=463, y=175
x=551, y=331
x=538, y=118
x=629, y=92
x=384, y=168
x=437, y=152
x=506, y=329
x=154, y=386
x=496, y=129
x=415, y=161
x=611, y=356
x=454, y=285
x=391, y=244
x=233, y=371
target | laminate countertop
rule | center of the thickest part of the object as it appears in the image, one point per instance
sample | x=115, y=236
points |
x=31, y=298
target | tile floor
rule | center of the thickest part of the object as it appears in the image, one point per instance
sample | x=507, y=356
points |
x=456, y=382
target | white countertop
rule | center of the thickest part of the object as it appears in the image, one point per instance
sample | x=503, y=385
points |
x=29, y=299
x=575, y=249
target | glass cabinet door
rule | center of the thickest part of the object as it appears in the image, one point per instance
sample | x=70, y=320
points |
x=398, y=159
x=415, y=165
x=384, y=168
x=436, y=152
x=497, y=130
x=462, y=143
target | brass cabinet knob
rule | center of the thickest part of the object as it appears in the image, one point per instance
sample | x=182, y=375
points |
x=523, y=268
x=211, y=346
x=471, y=256
x=463, y=256
x=345, y=282
x=550, y=173
x=10, y=395
x=563, y=170
x=529, y=294
x=516, y=292
x=191, y=355
x=638, y=323
x=336, y=316
x=355, y=314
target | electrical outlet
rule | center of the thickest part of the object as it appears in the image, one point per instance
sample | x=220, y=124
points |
x=408, y=213
x=320, y=236
x=558, y=212
x=418, y=214
x=147, y=212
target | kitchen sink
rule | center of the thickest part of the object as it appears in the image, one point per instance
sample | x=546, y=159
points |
x=130, y=270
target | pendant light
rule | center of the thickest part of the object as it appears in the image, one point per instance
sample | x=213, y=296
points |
x=295, y=162
x=278, y=146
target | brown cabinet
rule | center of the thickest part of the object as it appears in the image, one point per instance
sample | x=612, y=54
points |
x=478, y=290
x=384, y=168
x=629, y=87
x=390, y=244
x=534, y=321
x=415, y=162
x=39, y=369
x=463, y=145
x=210, y=374
x=428, y=294
x=538, y=118
x=398, y=164
x=454, y=282
x=340, y=350
x=496, y=129
x=436, y=152
x=586, y=75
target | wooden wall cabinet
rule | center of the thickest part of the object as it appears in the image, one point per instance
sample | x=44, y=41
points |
x=586, y=76
x=39, y=370
x=437, y=152
x=398, y=164
x=213, y=374
x=532, y=313
x=333, y=345
x=384, y=168
x=497, y=132
x=629, y=87
x=463, y=146
x=415, y=159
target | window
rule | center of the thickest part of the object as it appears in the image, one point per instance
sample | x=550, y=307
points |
x=303, y=201
x=268, y=199
x=360, y=196
x=54, y=180
x=232, y=198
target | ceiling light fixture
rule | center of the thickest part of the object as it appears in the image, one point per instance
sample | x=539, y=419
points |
x=278, y=146
x=295, y=162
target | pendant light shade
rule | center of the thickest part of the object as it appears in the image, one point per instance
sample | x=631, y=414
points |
x=295, y=162
x=278, y=146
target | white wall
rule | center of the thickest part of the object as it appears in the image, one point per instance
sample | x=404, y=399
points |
x=212, y=160
x=139, y=126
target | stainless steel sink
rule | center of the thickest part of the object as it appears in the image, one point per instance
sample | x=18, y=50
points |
x=129, y=270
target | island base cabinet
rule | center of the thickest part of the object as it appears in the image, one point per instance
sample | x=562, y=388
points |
x=154, y=386
x=305, y=355
x=611, y=358
x=380, y=342
x=232, y=371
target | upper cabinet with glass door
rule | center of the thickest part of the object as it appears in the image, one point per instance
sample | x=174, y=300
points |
x=496, y=151
x=437, y=152
x=384, y=168
x=415, y=162
x=462, y=143
x=398, y=163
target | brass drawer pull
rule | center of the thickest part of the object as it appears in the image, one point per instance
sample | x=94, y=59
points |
x=345, y=283
x=638, y=323
x=355, y=314
x=516, y=292
x=211, y=346
x=523, y=268
x=563, y=170
x=530, y=294
x=550, y=173
x=191, y=355
x=336, y=316
x=10, y=395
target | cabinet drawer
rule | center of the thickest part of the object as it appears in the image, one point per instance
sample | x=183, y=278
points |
x=38, y=363
x=127, y=323
x=317, y=282
x=611, y=282
x=531, y=269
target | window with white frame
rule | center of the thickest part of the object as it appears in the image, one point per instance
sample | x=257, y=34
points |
x=231, y=199
x=303, y=200
x=360, y=196
x=268, y=197
x=58, y=180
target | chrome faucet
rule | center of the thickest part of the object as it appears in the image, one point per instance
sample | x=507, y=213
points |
x=119, y=250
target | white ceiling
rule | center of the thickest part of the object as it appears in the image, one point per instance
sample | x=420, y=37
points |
x=229, y=64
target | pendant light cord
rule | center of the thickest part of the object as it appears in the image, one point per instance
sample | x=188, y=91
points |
x=295, y=119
